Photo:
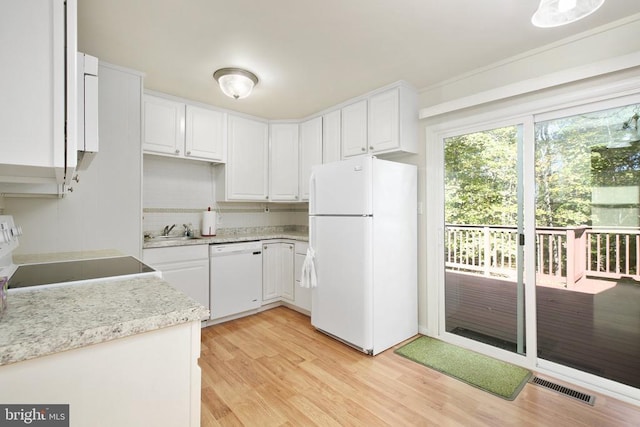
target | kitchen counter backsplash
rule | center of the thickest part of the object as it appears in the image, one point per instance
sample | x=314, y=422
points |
x=232, y=231
x=232, y=235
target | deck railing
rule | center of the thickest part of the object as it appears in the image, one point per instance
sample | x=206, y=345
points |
x=563, y=255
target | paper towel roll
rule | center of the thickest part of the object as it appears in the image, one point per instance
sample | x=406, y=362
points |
x=208, y=223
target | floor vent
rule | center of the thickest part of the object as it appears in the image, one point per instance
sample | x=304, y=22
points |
x=582, y=397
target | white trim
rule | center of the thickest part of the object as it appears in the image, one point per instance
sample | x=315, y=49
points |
x=434, y=232
x=570, y=75
x=531, y=328
x=591, y=382
x=533, y=52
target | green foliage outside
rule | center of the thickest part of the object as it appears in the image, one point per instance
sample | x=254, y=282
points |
x=573, y=155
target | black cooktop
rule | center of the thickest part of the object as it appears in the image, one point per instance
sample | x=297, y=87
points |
x=73, y=271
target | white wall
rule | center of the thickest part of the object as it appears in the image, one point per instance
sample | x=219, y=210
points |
x=176, y=191
x=600, y=44
x=103, y=212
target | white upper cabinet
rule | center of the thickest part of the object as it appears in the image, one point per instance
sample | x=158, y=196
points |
x=38, y=90
x=393, y=121
x=331, y=148
x=163, y=125
x=383, y=121
x=206, y=134
x=386, y=122
x=283, y=162
x=177, y=129
x=245, y=177
x=310, y=152
x=354, y=129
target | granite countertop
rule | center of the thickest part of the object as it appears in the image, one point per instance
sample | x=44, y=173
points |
x=244, y=236
x=47, y=321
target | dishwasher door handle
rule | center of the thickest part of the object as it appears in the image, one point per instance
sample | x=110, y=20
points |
x=257, y=252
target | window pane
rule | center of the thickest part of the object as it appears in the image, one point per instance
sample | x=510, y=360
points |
x=481, y=237
x=588, y=244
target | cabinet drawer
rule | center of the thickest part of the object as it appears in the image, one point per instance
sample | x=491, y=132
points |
x=174, y=254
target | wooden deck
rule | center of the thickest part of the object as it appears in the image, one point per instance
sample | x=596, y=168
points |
x=594, y=327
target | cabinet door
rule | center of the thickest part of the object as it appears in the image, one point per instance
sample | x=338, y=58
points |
x=186, y=268
x=278, y=272
x=354, y=129
x=248, y=157
x=302, y=296
x=331, y=137
x=32, y=88
x=164, y=124
x=206, y=134
x=271, y=285
x=384, y=121
x=310, y=152
x=283, y=162
x=287, y=265
x=190, y=277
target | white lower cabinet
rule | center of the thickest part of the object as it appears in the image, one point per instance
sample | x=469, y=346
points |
x=277, y=272
x=184, y=267
x=148, y=379
x=302, y=295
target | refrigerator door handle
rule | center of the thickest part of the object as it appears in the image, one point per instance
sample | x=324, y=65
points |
x=312, y=226
x=312, y=192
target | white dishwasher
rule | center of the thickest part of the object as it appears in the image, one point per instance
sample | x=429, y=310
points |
x=236, y=278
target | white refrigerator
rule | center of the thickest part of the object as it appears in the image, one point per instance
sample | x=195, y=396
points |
x=363, y=232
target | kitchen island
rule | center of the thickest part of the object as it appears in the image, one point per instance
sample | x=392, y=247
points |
x=119, y=352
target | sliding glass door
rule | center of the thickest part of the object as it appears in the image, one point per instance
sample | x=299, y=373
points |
x=565, y=185
x=588, y=241
x=483, y=237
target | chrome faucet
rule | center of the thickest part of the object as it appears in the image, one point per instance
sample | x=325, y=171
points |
x=167, y=230
x=188, y=230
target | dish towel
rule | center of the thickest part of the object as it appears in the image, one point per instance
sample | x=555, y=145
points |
x=309, y=278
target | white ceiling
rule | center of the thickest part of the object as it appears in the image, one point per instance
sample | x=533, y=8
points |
x=309, y=54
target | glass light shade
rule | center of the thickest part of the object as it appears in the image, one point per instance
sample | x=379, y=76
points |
x=553, y=13
x=235, y=82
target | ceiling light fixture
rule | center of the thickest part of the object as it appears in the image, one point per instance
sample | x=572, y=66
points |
x=235, y=82
x=554, y=13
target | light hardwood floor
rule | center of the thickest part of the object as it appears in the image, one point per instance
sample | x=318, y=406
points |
x=274, y=369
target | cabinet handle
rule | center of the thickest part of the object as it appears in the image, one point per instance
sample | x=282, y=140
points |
x=188, y=153
x=76, y=179
x=266, y=197
x=371, y=148
x=177, y=151
x=363, y=149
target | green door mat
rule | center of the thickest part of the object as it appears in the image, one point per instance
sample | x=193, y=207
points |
x=496, y=377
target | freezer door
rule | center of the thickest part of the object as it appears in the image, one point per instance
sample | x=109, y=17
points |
x=341, y=188
x=342, y=302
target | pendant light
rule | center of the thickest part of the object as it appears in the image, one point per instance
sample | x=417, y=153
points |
x=554, y=13
x=235, y=82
